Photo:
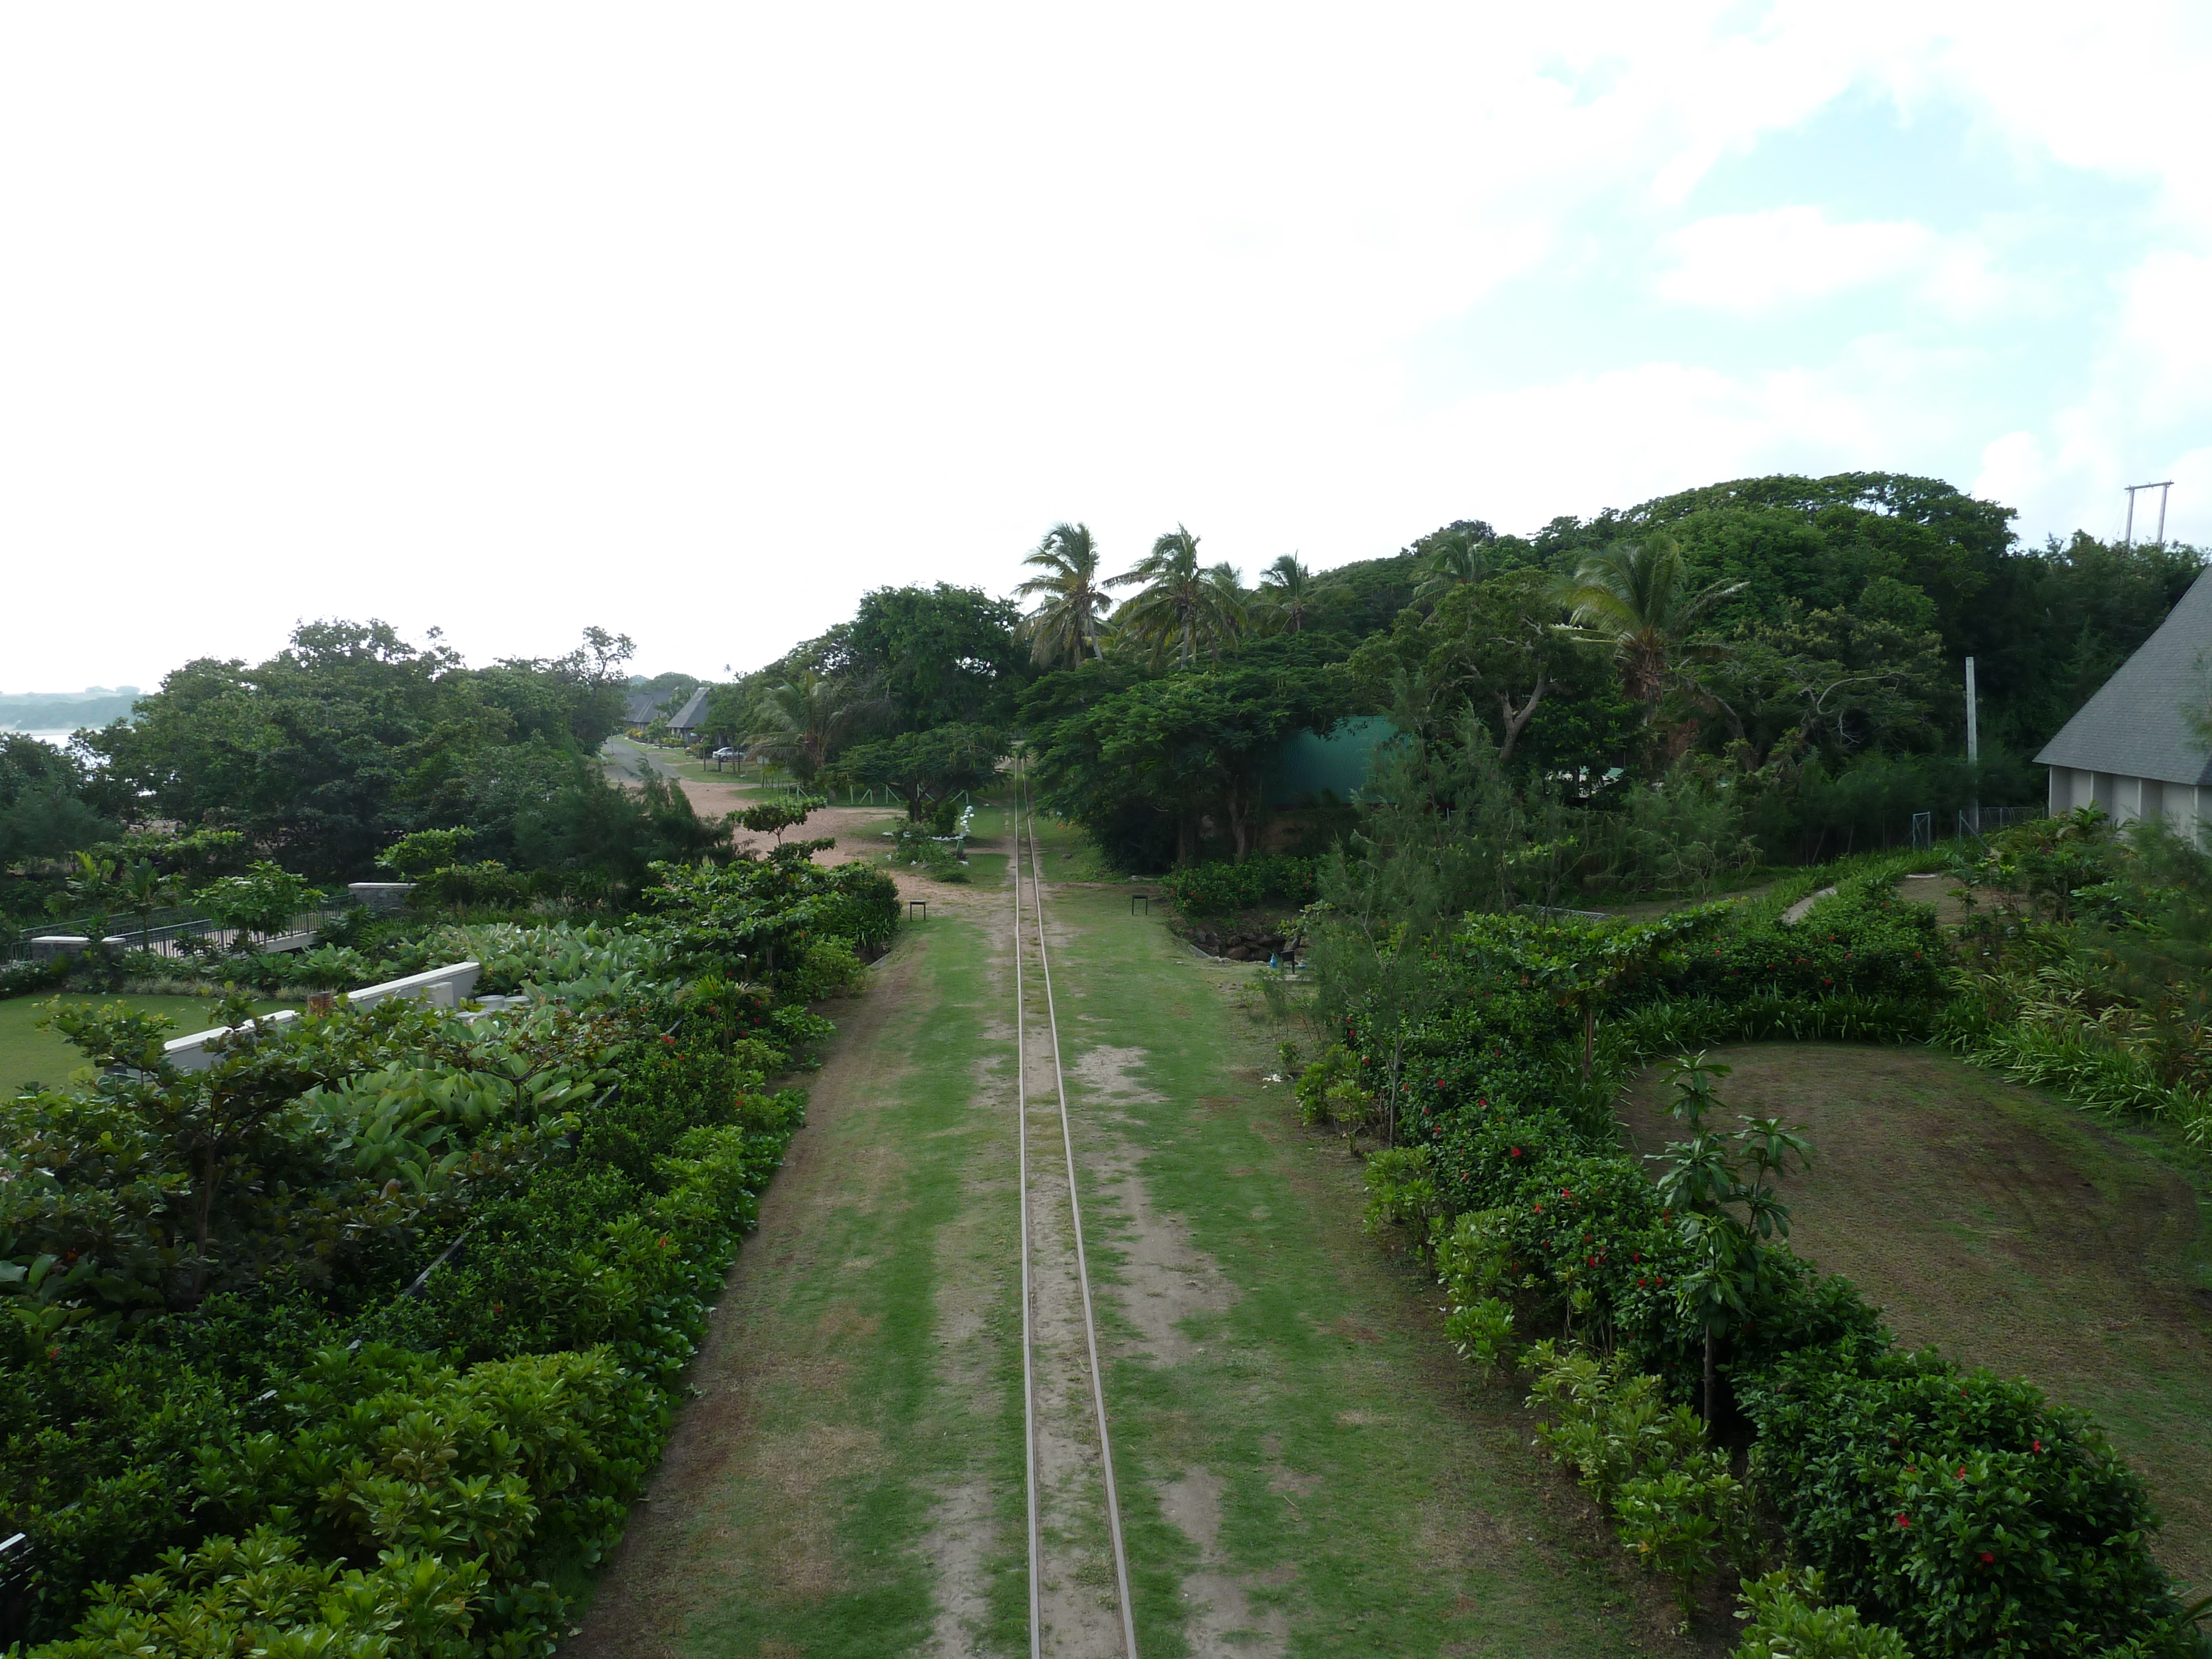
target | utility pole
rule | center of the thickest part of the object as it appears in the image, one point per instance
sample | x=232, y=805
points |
x=1973, y=748
x=2165, y=489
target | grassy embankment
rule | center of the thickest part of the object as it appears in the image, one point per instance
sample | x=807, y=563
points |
x=1303, y=1469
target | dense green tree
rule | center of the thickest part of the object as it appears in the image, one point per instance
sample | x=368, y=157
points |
x=2055, y=622
x=1148, y=769
x=1358, y=600
x=1818, y=540
x=2045, y=626
x=323, y=754
x=669, y=690
x=351, y=738
x=1497, y=645
x=43, y=808
x=1859, y=676
x=922, y=768
x=937, y=656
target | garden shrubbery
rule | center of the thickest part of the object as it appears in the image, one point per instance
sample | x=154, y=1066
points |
x=385, y=1310
x=1969, y=1514
x=1217, y=889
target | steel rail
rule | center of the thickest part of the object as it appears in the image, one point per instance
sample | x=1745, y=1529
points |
x=1029, y=1339
x=1082, y=1264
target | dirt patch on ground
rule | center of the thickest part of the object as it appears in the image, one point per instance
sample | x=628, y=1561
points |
x=1160, y=1278
x=859, y=829
x=1941, y=893
x=959, y=1545
x=964, y=1535
x=1222, y=1617
x=2010, y=1231
x=1652, y=909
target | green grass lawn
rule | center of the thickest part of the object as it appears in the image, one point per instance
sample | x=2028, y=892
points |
x=29, y=1055
x=2011, y=1230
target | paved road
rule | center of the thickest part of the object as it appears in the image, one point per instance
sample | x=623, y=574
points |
x=633, y=760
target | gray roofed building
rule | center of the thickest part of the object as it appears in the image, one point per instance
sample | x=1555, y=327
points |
x=693, y=715
x=2138, y=748
x=640, y=707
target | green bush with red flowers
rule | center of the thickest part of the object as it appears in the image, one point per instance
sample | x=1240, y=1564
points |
x=1966, y=1511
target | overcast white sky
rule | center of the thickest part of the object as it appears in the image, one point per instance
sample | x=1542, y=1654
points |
x=696, y=321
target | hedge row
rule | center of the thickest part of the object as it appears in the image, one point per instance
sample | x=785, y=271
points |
x=1968, y=1513
x=1220, y=888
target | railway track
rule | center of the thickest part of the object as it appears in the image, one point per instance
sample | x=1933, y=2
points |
x=1069, y=1450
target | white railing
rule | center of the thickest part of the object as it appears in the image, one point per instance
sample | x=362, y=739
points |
x=441, y=988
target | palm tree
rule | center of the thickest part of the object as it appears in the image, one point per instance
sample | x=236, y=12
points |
x=1183, y=606
x=1232, y=612
x=1286, y=588
x=1457, y=558
x=800, y=722
x=145, y=890
x=1633, y=597
x=1065, y=628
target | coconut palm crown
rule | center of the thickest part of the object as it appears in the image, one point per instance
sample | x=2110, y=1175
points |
x=797, y=723
x=1286, y=589
x=1182, y=607
x=1065, y=628
x=1458, y=558
x=1635, y=597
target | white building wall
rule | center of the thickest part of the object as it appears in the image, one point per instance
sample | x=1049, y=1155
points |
x=2186, y=808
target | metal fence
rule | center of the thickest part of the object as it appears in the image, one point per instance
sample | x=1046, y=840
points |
x=161, y=931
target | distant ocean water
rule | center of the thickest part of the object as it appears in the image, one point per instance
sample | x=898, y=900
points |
x=59, y=739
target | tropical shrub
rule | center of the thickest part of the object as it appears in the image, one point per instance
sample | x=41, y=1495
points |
x=1966, y=1510
x=260, y=903
x=21, y=978
x=258, y=1595
x=755, y=917
x=1677, y=1508
x=486, y=885
x=827, y=968
x=1214, y=889
x=1786, y=1619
